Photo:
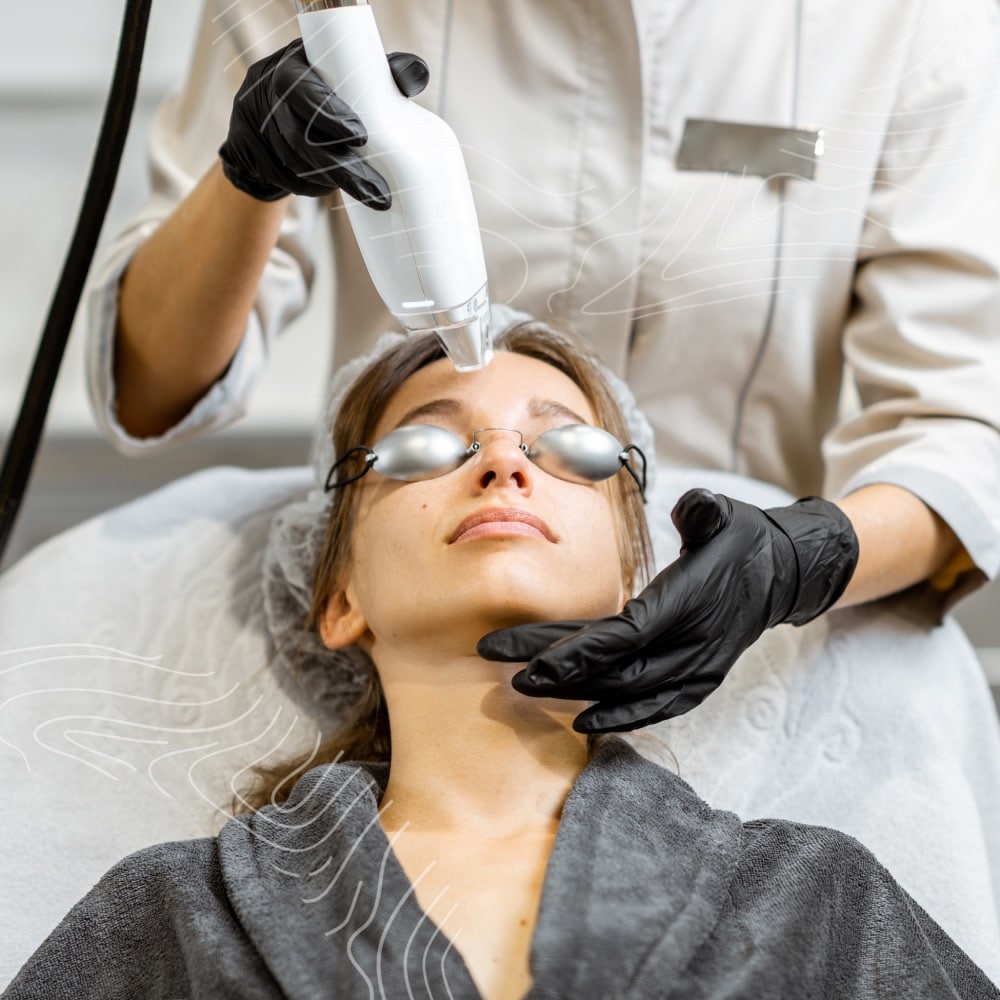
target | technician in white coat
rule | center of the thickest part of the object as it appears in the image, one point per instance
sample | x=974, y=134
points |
x=730, y=301
x=731, y=289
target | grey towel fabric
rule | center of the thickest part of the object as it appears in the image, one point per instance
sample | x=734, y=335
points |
x=649, y=893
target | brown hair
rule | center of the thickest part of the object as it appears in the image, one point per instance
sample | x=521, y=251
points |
x=364, y=733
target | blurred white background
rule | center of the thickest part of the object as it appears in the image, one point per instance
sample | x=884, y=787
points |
x=56, y=62
x=55, y=66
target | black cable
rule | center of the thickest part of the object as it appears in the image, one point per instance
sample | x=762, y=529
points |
x=22, y=446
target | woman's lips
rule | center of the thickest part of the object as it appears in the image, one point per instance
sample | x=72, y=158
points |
x=499, y=521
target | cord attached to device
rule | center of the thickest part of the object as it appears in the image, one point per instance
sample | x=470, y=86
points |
x=22, y=447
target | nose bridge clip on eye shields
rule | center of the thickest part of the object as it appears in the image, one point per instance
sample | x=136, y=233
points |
x=577, y=453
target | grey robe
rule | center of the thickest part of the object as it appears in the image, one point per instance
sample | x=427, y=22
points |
x=649, y=893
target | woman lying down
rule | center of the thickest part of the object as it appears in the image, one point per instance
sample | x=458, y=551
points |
x=488, y=849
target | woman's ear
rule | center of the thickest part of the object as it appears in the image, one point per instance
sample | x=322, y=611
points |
x=342, y=623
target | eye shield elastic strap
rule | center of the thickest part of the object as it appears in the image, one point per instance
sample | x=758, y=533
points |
x=370, y=459
x=627, y=466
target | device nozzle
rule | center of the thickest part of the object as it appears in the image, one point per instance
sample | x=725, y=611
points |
x=308, y=6
x=470, y=347
x=465, y=331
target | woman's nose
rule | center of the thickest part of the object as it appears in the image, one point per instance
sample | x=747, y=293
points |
x=501, y=460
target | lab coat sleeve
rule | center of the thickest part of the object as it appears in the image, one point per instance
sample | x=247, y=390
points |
x=923, y=337
x=187, y=131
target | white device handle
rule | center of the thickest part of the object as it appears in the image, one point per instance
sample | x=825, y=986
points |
x=424, y=254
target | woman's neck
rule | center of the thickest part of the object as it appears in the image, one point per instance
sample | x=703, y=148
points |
x=470, y=754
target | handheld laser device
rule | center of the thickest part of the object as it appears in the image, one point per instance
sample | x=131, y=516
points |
x=424, y=254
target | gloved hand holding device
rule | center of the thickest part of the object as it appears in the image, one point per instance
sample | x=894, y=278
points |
x=741, y=570
x=290, y=134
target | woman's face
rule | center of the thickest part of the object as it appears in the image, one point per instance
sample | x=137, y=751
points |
x=495, y=542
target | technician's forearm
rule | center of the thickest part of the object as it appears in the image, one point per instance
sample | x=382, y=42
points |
x=902, y=542
x=185, y=300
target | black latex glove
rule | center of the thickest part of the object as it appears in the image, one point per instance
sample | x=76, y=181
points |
x=740, y=571
x=290, y=134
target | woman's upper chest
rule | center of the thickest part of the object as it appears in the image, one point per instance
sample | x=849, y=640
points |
x=333, y=905
x=484, y=895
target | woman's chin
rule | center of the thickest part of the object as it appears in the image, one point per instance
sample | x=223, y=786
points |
x=454, y=628
x=511, y=613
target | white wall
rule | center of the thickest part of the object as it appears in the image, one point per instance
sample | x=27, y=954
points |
x=65, y=46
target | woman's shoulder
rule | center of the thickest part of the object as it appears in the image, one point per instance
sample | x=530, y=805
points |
x=155, y=924
x=820, y=896
x=798, y=904
x=802, y=846
x=151, y=869
x=820, y=870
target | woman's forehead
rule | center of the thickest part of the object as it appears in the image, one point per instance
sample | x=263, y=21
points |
x=512, y=386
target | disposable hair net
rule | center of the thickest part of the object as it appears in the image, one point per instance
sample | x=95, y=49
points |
x=327, y=682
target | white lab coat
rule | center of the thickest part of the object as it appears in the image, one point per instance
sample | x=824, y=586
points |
x=732, y=304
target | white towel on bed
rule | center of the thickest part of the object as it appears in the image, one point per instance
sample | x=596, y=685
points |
x=136, y=686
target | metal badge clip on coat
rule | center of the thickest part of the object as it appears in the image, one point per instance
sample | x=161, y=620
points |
x=740, y=148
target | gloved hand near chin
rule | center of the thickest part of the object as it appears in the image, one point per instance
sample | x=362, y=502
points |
x=290, y=134
x=741, y=570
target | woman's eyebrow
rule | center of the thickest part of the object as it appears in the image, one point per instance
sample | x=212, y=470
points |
x=537, y=408
x=433, y=408
x=551, y=408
